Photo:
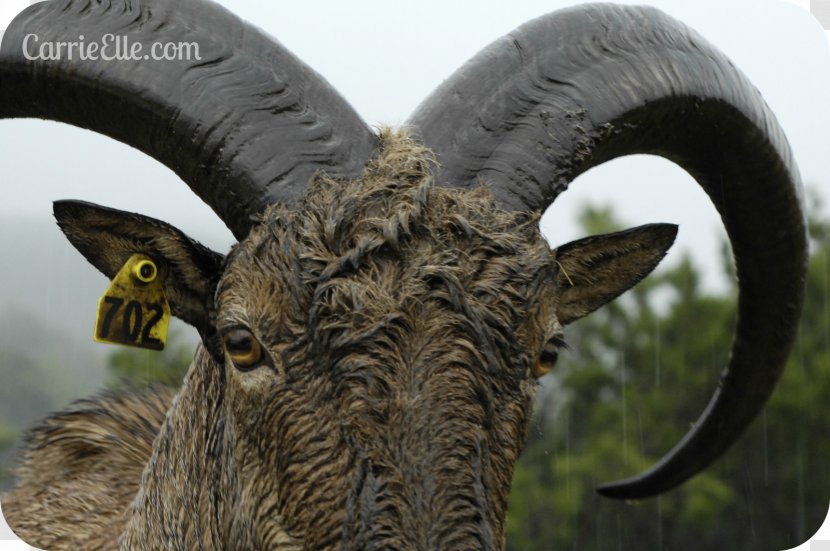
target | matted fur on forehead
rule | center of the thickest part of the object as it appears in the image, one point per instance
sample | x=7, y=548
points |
x=370, y=249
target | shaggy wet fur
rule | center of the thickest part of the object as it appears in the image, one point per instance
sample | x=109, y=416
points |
x=400, y=324
x=81, y=469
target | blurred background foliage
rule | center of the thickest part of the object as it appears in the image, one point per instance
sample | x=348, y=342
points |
x=128, y=366
x=638, y=372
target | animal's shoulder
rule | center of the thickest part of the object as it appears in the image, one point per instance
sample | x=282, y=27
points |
x=81, y=468
x=120, y=424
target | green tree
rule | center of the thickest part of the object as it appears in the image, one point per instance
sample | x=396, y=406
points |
x=131, y=366
x=640, y=371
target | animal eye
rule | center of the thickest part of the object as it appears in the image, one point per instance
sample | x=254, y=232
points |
x=243, y=348
x=549, y=356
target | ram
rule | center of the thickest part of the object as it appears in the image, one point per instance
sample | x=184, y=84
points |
x=371, y=344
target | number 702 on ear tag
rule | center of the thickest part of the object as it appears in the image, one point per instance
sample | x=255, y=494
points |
x=134, y=311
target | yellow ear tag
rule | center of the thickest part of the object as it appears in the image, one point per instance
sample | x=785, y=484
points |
x=134, y=311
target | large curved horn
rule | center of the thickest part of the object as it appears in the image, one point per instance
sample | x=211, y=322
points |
x=573, y=89
x=244, y=125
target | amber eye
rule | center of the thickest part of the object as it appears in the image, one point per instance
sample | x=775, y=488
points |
x=549, y=356
x=243, y=348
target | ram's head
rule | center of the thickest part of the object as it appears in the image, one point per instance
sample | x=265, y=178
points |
x=372, y=342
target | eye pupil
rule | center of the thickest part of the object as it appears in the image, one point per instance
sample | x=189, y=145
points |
x=549, y=354
x=239, y=345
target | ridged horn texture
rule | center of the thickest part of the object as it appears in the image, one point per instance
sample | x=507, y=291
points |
x=246, y=125
x=575, y=88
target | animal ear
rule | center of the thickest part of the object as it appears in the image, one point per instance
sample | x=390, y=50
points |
x=108, y=238
x=595, y=270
